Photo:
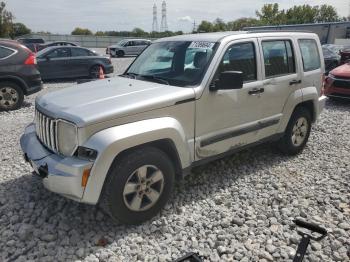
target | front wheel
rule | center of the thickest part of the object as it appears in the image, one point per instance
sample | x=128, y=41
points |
x=94, y=72
x=138, y=186
x=11, y=96
x=297, y=132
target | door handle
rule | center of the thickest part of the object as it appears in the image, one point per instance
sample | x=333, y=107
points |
x=294, y=82
x=256, y=91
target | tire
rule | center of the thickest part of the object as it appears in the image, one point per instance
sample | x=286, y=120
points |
x=120, y=53
x=297, y=132
x=94, y=71
x=125, y=198
x=11, y=96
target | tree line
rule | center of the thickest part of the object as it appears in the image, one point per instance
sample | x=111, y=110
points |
x=271, y=14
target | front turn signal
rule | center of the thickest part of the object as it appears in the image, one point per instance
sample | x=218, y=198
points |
x=85, y=177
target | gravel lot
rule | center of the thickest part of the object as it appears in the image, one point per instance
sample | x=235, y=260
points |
x=236, y=209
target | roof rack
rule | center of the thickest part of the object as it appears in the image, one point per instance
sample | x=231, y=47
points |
x=277, y=30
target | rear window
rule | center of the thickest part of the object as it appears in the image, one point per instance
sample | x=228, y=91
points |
x=310, y=55
x=5, y=52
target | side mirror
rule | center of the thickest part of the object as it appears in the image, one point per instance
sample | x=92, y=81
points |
x=228, y=80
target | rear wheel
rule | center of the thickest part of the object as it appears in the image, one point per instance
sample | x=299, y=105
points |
x=120, y=53
x=95, y=71
x=297, y=132
x=138, y=186
x=11, y=96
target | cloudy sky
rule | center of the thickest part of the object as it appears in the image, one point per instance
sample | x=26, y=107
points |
x=61, y=16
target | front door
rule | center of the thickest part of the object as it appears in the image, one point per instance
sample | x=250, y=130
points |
x=130, y=48
x=226, y=119
x=55, y=64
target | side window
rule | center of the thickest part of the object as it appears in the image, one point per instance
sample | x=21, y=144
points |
x=278, y=58
x=310, y=55
x=240, y=57
x=130, y=43
x=79, y=52
x=5, y=52
x=59, y=53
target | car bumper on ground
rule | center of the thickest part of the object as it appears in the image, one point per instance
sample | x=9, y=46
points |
x=333, y=91
x=62, y=175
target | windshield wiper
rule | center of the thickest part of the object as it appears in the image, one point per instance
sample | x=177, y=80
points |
x=152, y=77
x=133, y=75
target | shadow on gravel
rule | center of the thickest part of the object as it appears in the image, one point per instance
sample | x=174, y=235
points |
x=35, y=218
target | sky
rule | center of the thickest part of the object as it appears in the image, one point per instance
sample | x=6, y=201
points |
x=62, y=16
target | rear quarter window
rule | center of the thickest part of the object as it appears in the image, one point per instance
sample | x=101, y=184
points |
x=310, y=54
x=5, y=52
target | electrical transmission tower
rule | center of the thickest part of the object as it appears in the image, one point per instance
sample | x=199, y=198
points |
x=164, y=23
x=155, y=19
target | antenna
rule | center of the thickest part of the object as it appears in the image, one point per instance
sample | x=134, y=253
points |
x=164, y=23
x=155, y=19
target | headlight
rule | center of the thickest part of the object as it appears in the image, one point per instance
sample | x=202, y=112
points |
x=67, y=136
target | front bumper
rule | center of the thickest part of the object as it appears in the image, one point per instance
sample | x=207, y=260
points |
x=62, y=175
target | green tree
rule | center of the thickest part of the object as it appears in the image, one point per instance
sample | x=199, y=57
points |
x=81, y=31
x=219, y=25
x=6, y=18
x=240, y=23
x=100, y=33
x=205, y=26
x=270, y=15
x=302, y=14
x=138, y=32
x=19, y=29
x=327, y=13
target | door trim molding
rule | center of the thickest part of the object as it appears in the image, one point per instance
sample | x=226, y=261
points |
x=231, y=134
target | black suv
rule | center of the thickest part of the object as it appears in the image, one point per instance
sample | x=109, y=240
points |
x=19, y=75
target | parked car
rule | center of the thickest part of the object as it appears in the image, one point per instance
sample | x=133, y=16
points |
x=71, y=62
x=345, y=55
x=19, y=75
x=32, y=43
x=128, y=47
x=58, y=43
x=331, y=59
x=122, y=142
x=337, y=84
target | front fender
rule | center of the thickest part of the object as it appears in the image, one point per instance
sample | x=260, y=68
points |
x=112, y=141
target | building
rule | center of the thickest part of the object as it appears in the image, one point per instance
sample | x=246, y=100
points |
x=329, y=33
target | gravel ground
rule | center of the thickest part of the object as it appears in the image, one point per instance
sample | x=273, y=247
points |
x=236, y=209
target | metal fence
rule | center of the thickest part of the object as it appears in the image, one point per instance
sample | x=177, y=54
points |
x=82, y=40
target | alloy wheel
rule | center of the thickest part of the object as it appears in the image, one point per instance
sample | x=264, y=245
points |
x=143, y=188
x=8, y=97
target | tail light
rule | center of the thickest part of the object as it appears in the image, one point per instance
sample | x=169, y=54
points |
x=323, y=81
x=31, y=60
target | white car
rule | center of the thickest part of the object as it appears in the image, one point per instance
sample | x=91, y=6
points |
x=128, y=47
x=186, y=100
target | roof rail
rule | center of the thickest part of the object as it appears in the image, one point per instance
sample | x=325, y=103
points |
x=277, y=30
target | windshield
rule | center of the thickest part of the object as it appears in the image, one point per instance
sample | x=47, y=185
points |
x=179, y=63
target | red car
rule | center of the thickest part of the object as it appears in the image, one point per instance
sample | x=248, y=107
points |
x=337, y=83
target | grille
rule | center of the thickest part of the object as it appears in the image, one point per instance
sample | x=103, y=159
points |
x=342, y=83
x=46, y=130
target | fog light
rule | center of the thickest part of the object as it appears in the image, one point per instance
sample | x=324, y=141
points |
x=86, y=153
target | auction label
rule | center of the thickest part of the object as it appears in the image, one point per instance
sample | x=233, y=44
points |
x=203, y=45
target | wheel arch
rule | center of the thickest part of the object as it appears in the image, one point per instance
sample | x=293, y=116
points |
x=15, y=80
x=165, y=133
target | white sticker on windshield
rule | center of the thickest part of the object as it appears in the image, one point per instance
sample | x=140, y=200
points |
x=203, y=45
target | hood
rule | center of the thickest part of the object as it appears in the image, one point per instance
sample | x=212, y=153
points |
x=342, y=71
x=107, y=99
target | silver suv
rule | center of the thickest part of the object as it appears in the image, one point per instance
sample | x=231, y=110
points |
x=186, y=100
x=128, y=47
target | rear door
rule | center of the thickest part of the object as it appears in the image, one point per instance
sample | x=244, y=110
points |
x=80, y=61
x=55, y=63
x=281, y=76
x=130, y=48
